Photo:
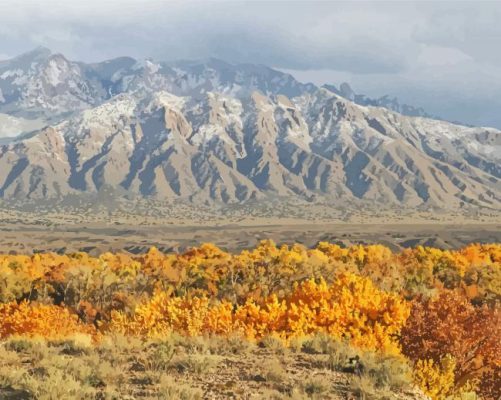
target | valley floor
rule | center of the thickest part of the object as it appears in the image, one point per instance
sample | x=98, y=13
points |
x=27, y=236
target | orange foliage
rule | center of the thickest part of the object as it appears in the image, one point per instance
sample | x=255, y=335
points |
x=449, y=324
x=360, y=293
x=51, y=322
x=350, y=308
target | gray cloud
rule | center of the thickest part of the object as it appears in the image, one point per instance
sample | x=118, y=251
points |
x=472, y=27
x=440, y=55
x=302, y=35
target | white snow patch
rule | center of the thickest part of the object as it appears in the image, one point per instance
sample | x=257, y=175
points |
x=53, y=73
x=167, y=100
x=108, y=114
x=208, y=132
x=152, y=67
x=12, y=73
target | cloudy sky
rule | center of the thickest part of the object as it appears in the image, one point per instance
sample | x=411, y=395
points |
x=444, y=56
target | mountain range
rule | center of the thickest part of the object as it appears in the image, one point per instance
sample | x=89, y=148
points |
x=213, y=132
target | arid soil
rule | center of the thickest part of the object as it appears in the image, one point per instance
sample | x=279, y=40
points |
x=95, y=238
x=196, y=369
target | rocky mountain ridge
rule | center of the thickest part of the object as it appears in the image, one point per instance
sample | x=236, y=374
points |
x=214, y=132
x=391, y=103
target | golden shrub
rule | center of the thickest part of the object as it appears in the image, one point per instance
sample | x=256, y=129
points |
x=350, y=308
x=436, y=379
x=48, y=321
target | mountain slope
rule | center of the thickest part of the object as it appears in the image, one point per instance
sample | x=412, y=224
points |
x=215, y=147
x=48, y=88
x=211, y=131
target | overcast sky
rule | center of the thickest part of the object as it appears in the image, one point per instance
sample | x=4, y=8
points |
x=444, y=56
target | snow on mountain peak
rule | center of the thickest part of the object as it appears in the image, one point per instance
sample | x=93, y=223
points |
x=55, y=72
x=164, y=99
x=152, y=67
x=107, y=114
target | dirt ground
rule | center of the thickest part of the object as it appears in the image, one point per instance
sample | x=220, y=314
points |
x=95, y=238
x=199, y=368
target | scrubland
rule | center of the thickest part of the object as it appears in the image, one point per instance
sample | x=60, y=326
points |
x=272, y=322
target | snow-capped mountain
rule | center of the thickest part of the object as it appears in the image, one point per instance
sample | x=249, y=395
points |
x=43, y=84
x=217, y=132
